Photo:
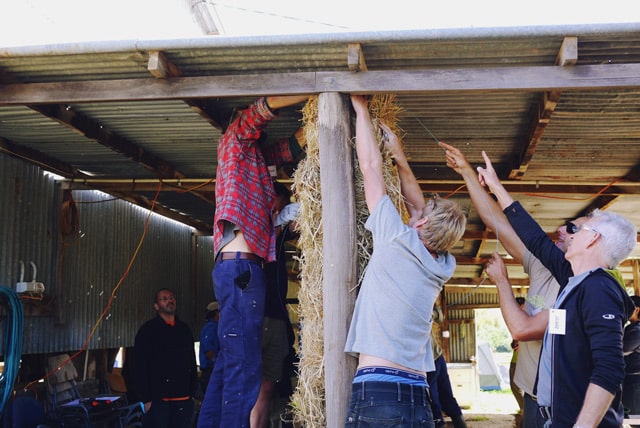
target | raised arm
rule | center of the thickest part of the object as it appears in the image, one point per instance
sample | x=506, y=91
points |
x=280, y=101
x=487, y=208
x=488, y=177
x=411, y=191
x=369, y=156
x=521, y=325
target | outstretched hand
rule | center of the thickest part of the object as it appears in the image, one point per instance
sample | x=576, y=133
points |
x=391, y=141
x=487, y=175
x=360, y=103
x=497, y=271
x=455, y=158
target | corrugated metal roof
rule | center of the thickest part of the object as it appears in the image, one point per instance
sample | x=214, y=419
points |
x=127, y=131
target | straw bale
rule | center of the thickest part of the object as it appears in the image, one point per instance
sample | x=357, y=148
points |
x=308, y=398
x=382, y=108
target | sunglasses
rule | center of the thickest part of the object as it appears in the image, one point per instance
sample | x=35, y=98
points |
x=573, y=228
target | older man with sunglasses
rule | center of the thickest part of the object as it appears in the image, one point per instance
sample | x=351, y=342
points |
x=581, y=367
x=529, y=325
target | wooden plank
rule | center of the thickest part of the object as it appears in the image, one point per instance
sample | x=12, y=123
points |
x=159, y=66
x=339, y=250
x=86, y=126
x=478, y=80
x=636, y=276
x=539, y=122
x=428, y=186
x=568, y=54
x=355, y=58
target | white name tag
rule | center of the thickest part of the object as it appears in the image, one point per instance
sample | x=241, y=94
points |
x=557, y=321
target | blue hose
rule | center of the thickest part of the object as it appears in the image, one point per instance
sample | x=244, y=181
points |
x=12, y=349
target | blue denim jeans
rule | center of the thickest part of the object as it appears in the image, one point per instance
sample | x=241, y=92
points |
x=631, y=394
x=387, y=405
x=531, y=415
x=239, y=286
x=442, y=397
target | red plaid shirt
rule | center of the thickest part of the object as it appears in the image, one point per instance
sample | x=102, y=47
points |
x=244, y=190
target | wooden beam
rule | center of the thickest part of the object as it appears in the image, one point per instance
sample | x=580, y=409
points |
x=538, y=123
x=53, y=165
x=141, y=201
x=160, y=67
x=457, y=282
x=84, y=125
x=79, y=123
x=355, y=58
x=428, y=186
x=473, y=306
x=633, y=174
x=478, y=80
x=636, y=276
x=568, y=55
x=339, y=250
x=601, y=201
x=39, y=159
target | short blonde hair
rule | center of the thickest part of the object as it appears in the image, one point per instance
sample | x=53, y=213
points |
x=445, y=226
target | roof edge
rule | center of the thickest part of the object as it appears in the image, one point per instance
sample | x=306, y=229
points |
x=319, y=38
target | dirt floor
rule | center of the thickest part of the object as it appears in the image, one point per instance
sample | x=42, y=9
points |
x=487, y=420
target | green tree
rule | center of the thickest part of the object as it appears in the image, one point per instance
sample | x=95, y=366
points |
x=490, y=327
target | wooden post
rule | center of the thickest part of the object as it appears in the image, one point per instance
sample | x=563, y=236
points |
x=339, y=249
x=635, y=265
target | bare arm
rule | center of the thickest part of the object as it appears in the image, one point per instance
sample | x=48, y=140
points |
x=489, y=211
x=489, y=178
x=280, y=101
x=369, y=156
x=596, y=402
x=411, y=191
x=521, y=325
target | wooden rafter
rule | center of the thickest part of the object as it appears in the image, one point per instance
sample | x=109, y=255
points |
x=160, y=67
x=428, y=186
x=478, y=80
x=86, y=126
x=355, y=58
x=541, y=116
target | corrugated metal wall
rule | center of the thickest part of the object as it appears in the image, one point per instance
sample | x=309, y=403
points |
x=461, y=320
x=29, y=217
x=204, y=266
x=28, y=221
x=82, y=269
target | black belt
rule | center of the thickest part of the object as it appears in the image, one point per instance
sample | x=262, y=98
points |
x=545, y=412
x=237, y=254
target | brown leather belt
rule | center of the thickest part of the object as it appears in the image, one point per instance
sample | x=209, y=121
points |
x=242, y=256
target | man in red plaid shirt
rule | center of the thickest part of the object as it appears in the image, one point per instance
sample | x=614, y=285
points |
x=244, y=239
